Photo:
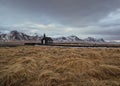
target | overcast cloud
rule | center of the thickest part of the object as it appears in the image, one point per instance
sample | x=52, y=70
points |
x=96, y=18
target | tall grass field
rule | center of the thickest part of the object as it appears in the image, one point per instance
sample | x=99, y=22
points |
x=59, y=66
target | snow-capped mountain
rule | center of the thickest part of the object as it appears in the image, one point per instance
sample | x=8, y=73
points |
x=67, y=39
x=15, y=35
x=74, y=38
x=90, y=39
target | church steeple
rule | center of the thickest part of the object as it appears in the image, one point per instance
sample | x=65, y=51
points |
x=44, y=35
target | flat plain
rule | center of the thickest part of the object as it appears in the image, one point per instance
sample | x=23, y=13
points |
x=59, y=66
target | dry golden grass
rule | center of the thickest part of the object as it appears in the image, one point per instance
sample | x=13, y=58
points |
x=57, y=66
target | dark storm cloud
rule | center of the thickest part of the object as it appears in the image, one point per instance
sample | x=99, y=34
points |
x=76, y=14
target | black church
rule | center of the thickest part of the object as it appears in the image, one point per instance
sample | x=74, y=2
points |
x=46, y=40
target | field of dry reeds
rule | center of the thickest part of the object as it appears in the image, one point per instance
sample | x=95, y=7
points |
x=58, y=66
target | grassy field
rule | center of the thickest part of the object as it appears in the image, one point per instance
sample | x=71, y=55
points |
x=57, y=66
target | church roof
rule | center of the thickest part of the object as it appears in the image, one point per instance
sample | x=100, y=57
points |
x=47, y=38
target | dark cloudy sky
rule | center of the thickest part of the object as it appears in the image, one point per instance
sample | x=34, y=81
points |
x=96, y=18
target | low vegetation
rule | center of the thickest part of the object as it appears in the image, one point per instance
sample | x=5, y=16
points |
x=58, y=66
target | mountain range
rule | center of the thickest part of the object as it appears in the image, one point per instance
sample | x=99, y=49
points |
x=77, y=39
x=20, y=36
